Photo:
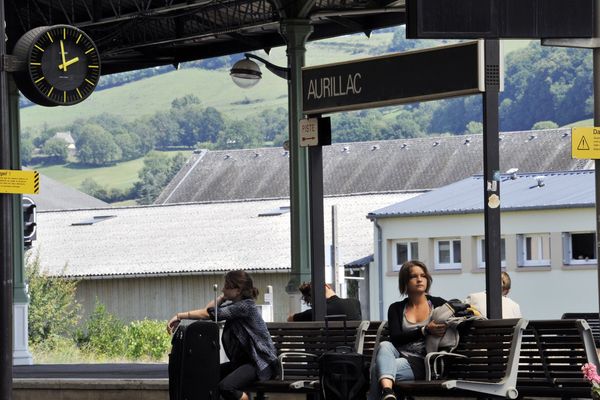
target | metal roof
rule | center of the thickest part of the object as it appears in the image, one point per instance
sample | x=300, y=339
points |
x=549, y=190
x=367, y=167
x=193, y=238
x=135, y=34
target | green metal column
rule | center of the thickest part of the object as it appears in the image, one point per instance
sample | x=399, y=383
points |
x=296, y=32
x=21, y=355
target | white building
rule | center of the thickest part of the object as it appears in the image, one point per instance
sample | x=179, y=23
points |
x=548, y=242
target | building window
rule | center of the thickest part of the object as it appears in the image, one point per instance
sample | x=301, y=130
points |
x=481, y=252
x=579, y=248
x=533, y=250
x=404, y=250
x=447, y=254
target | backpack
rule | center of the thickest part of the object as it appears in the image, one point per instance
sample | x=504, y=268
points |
x=342, y=371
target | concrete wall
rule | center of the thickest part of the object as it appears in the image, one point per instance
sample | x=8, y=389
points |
x=542, y=292
x=161, y=297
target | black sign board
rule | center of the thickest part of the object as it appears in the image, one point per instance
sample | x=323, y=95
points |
x=428, y=74
x=499, y=19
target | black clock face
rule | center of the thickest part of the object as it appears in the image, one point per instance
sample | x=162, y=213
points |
x=62, y=65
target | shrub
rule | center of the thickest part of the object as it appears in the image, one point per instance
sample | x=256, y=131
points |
x=53, y=309
x=147, y=339
x=103, y=333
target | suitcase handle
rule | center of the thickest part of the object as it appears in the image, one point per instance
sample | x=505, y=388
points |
x=216, y=290
x=336, y=317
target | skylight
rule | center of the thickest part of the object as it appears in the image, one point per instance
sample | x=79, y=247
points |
x=276, y=211
x=94, y=220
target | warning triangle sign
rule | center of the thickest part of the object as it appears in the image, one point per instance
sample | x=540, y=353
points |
x=583, y=144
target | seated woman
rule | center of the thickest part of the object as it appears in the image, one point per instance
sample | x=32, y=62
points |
x=409, y=321
x=246, y=339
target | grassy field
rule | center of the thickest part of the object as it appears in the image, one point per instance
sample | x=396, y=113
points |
x=585, y=122
x=120, y=176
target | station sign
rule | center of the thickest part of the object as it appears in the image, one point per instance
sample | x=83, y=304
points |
x=585, y=143
x=419, y=75
x=19, y=182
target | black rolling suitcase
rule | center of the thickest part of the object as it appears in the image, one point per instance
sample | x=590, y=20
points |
x=342, y=371
x=194, y=361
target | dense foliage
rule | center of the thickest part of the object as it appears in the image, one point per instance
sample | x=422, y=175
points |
x=55, y=328
x=53, y=310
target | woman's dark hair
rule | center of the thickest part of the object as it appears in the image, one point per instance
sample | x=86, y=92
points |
x=306, y=293
x=404, y=275
x=241, y=280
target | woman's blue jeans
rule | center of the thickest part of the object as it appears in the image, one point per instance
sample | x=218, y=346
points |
x=388, y=364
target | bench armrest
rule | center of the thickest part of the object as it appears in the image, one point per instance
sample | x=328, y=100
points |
x=282, y=356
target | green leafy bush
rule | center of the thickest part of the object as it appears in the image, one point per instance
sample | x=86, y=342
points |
x=53, y=309
x=103, y=333
x=147, y=339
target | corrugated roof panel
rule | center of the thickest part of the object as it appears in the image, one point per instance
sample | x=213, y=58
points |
x=193, y=238
x=367, y=167
x=555, y=190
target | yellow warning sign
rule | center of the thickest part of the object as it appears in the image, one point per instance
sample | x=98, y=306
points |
x=19, y=182
x=585, y=143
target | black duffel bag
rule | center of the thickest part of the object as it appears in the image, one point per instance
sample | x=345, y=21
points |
x=342, y=371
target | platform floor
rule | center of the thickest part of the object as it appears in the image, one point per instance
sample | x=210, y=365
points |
x=97, y=382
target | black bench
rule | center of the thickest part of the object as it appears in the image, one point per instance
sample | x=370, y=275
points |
x=299, y=346
x=484, y=363
x=591, y=319
x=552, y=353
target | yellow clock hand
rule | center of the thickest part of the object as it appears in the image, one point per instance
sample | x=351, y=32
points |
x=67, y=63
x=62, y=55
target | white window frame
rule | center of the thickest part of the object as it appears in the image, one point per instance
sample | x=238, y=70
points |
x=568, y=250
x=522, y=250
x=451, y=265
x=480, y=250
x=396, y=265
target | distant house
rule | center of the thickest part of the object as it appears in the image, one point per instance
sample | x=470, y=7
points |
x=66, y=136
x=548, y=242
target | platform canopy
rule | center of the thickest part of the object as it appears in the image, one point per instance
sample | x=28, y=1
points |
x=136, y=34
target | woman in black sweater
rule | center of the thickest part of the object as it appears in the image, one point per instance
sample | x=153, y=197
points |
x=409, y=321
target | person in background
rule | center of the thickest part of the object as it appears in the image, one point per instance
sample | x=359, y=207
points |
x=335, y=305
x=510, y=308
x=409, y=322
x=246, y=339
